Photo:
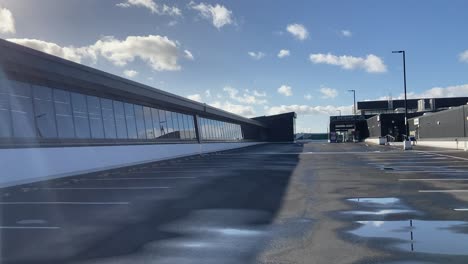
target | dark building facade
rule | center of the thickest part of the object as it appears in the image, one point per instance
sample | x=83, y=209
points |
x=451, y=123
x=386, y=117
x=279, y=127
x=49, y=101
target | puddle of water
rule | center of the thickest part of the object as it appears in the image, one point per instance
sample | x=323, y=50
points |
x=379, y=201
x=380, y=212
x=436, y=237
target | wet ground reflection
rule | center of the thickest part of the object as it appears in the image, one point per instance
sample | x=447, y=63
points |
x=436, y=237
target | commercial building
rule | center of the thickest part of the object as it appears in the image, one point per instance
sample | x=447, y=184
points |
x=60, y=118
x=386, y=117
x=448, y=128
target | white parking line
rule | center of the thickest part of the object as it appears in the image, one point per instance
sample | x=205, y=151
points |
x=423, y=171
x=29, y=227
x=106, y=188
x=138, y=178
x=461, y=209
x=450, y=156
x=429, y=179
x=64, y=203
x=442, y=191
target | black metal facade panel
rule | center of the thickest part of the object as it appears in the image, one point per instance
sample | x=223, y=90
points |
x=412, y=103
x=280, y=127
x=445, y=124
x=373, y=126
x=25, y=64
x=448, y=102
x=372, y=105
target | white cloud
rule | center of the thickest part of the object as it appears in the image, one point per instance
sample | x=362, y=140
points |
x=153, y=7
x=370, y=63
x=308, y=97
x=298, y=31
x=346, y=33
x=283, y=53
x=328, y=92
x=219, y=15
x=246, y=98
x=172, y=23
x=7, y=22
x=309, y=110
x=435, y=92
x=130, y=73
x=68, y=53
x=464, y=56
x=195, y=97
x=243, y=110
x=285, y=90
x=188, y=55
x=159, y=52
x=256, y=55
x=259, y=94
x=208, y=93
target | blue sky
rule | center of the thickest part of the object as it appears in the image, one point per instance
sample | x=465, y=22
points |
x=329, y=47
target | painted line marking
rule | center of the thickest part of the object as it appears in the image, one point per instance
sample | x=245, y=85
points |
x=29, y=227
x=423, y=171
x=450, y=156
x=428, y=179
x=139, y=178
x=442, y=191
x=64, y=203
x=106, y=188
x=461, y=209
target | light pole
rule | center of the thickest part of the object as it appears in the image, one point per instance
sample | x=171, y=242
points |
x=354, y=104
x=404, y=82
x=339, y=111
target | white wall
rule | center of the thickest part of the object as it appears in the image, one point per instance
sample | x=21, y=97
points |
x=24, y=165
x=372, y=140
x=448, y=144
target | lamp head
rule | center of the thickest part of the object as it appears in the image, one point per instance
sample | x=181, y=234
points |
x=397, y=51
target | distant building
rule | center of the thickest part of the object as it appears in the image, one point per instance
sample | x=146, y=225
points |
x=60, y=118
x=386, y=117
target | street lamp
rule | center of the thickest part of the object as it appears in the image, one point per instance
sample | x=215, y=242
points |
x=339, y=111
x=354, y=104
x=404, y=82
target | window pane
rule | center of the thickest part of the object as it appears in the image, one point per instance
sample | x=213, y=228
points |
x=216, y=128
x=192, y=127
x=162, y=123
x=175, y=123
x=181, y=118
x=22, y=110
x=140, y=121
x=148, y=122
x=5, y=117
x=95, y=117
x=80, y=116
x=63, y=113
x=211, y=130
x=108, y=118
x=157, y=129
x=130, y=120
x=44, y=111
x=170, y=125
x=187, y=127
x=120, y=123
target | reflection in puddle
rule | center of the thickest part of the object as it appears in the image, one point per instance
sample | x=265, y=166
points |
x=381, y=212
x=437, y=237
x=383, y=201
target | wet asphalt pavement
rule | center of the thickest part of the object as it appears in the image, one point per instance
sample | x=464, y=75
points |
x=275, y=204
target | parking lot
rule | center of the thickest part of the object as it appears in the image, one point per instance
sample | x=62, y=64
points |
x=274, y=203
